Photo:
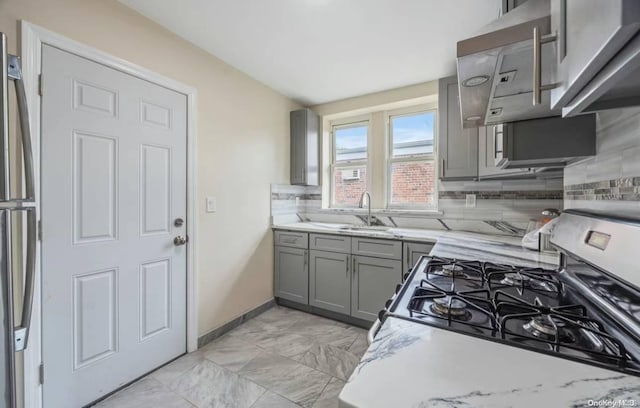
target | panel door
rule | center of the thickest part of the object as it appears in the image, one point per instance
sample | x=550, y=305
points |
x=412, y=253
x=292, y=274
x=113, y=181
x=298, y=146
x=584, y=46
x=458, y=147
x=330, y=281
x=374, y=282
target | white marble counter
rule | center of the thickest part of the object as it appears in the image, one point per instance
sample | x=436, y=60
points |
x=419, y=366
x=453, y=244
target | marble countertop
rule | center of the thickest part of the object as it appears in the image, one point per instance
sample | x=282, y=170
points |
x=453, y=244
x=415, y=365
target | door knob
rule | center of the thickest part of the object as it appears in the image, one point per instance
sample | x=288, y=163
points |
x=180, y=240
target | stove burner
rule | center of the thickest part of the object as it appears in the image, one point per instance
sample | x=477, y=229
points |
x=450, y=270
x=544, y=327
x=518, y=279
x=446, y=306
x=515, y=279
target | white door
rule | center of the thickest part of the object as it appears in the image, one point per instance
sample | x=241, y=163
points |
x=113, y=184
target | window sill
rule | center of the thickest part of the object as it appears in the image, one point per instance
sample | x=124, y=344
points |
x=383, y=212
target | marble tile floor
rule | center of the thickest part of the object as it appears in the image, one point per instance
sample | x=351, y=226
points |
x=282, y=358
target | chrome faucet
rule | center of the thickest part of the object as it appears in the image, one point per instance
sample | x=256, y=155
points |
x=361, y=205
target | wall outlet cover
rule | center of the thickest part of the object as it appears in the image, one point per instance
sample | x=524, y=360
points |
x=211, y=204
x=471, y=201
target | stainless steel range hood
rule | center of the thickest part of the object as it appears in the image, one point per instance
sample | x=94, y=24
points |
x=496, y=68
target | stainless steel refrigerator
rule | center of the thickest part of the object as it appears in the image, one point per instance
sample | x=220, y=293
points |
x=17, y=226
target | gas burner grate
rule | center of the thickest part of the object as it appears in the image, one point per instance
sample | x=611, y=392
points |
x=523, y=279
x=561, y=327
x=469, y=307
x=455, y=269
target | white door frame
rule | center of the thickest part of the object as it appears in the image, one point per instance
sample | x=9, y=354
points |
x=33, y=37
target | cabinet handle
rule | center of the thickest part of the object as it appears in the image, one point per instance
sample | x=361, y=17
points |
x=442, y=169
x=353, y=272
x=348, y=265
x=537, y=65
x=306, y=256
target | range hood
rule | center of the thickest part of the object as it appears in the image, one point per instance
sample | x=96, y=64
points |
x=496, y=68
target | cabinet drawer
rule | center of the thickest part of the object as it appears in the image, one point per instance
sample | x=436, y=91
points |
x=292, y=239
x=331, y=243
x=379, y=248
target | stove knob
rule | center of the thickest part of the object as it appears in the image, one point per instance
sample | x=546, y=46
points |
x=406, y=275
x=398, y=287
x=381, y=315
x=387, y=304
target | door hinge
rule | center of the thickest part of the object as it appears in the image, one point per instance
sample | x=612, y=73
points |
x=40, y=84
x=41, y=373
x=39, y=230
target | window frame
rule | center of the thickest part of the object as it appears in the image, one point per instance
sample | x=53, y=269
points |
x=413, y=158
x=354, y=121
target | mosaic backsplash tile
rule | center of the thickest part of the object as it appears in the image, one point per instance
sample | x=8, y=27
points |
x=505, y=195
x=625, y=189
x=609, y=181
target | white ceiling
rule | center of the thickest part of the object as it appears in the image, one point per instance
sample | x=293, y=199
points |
x=317, y=51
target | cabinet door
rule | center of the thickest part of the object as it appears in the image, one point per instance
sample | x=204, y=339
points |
x=413, y=251
x=292, y=274
x=374, y=281
x=458, y=147
x=487, y=158
x=298, y=125
x=330, y=281
x=590, y=33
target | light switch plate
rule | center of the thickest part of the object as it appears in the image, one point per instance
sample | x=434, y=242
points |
x=471, y=201
x=211, y=204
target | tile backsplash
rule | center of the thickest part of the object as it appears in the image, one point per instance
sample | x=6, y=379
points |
x=502, y=207
x=609, y=181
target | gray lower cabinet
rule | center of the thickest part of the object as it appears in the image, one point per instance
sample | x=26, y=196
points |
x=374, y=281
x=292, y=274
x=330, y=281
x=413, y=251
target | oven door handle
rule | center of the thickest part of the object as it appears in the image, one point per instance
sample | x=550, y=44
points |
x=373, y=331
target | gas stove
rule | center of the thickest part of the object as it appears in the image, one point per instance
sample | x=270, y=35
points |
x=582, y=311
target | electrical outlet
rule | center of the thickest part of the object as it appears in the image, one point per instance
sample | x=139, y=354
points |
x=471, y=201
x=211, y=204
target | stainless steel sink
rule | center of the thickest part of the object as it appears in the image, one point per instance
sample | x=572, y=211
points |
x=365, y=228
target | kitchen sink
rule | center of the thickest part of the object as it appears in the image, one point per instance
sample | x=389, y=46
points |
x=365, y=228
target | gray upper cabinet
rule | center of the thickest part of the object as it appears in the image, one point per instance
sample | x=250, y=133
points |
x=330, y=281
x=305, y=147
x=589, y=35
x=457, y=147
x=291, y=274
x=488, y=153
x=374, y=281
x=413, y=251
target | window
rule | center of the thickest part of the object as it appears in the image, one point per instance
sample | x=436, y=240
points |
x=411, y=167
x=349, y=165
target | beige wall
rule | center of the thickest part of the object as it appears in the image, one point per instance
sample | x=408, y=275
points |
x=243, y=142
